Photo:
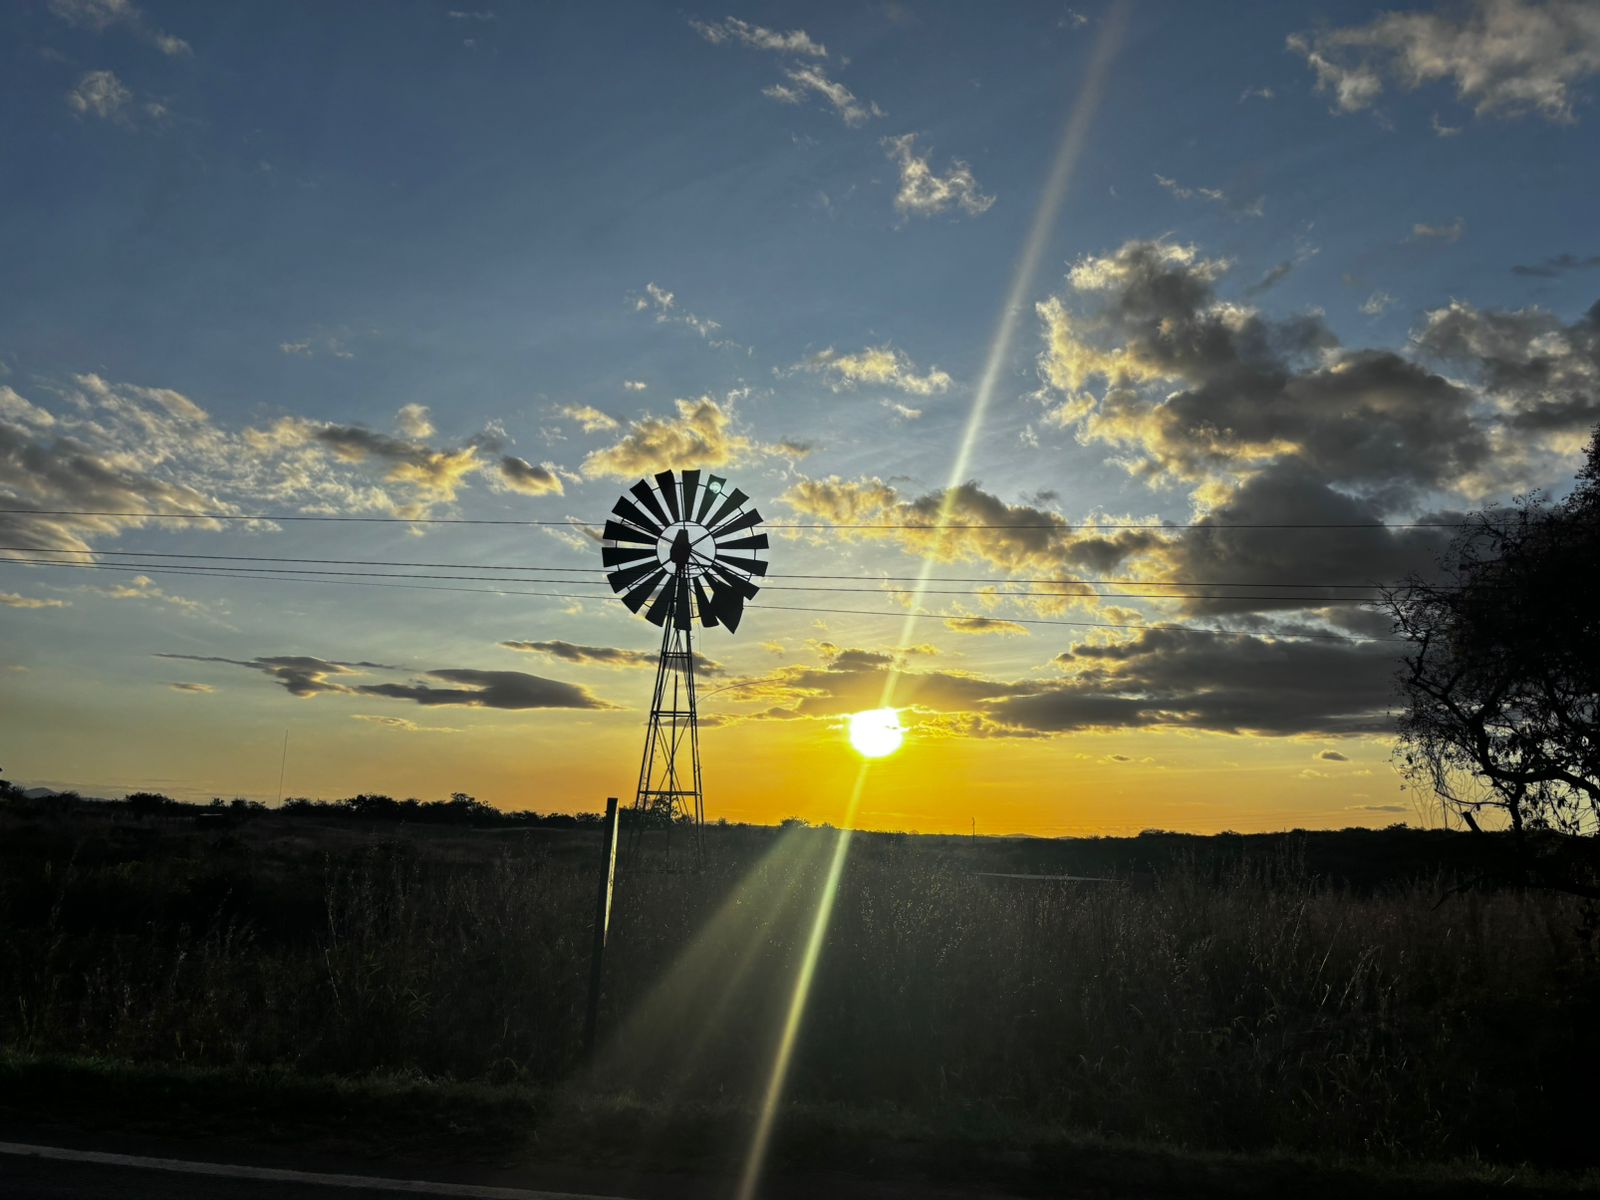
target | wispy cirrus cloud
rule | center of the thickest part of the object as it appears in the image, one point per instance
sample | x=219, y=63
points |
x=98, y=16
x=733, y=31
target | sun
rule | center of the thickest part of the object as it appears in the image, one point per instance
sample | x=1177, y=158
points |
x=876, y=732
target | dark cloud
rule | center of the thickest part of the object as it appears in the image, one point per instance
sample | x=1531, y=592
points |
x=1233, y=683
x=304, y=676
x=606, y=656
x=488, y=689
x=1196, y=387
x=522, y=476
x=1556, y=265
x=301, y=675
x=1278, y=569
x=1545, y=373
x=1333, y=756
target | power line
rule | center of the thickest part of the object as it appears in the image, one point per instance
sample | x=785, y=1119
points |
x=473, y=566
x=878, y=591
x=211, y=573
x=570, y=522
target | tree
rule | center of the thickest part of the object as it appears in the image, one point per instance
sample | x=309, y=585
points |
x=1500, y=685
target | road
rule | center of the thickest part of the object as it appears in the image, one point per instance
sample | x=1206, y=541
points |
x=35, y=1171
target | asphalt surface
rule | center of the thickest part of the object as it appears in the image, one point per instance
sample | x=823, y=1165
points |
x=27, y=1177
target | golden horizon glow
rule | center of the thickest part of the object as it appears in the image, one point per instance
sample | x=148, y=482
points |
x=877, y=732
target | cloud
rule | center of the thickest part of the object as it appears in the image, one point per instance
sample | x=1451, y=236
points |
x=606, y=656
x=1233, y=684
x=701, y=435
x=732, y=31
x=142, y=587
x=401, y=724
x=979, y=625
x=1444, y=233
x=304, y=676
x=903, y=411
x=590, y=418
x=414, y=421
x=300, y=675
x=101, y=15
x=664, y=305
x=1204, y=391
x=1378, y=808
x=1251, y=208
x=519, y=475
x=879, y=366
x=1019, y=539
x=488, y=689
x=431, y=475
x=192, y=688
x=100, y=94
x=1557, y=265
x=811, y=78
x=1505, y=58
x=1332, y=756
x=1256, y=93
x=923, y=192
x=1541, y=373
x=331, y=345
x=633, y=385
x=1376, y=304
x=13, y=600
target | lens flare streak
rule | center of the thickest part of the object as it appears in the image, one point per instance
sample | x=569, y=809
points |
x=1072, y=141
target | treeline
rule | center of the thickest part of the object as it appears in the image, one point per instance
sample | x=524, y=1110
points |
x=459, y=810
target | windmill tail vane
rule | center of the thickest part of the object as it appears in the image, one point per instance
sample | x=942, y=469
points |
x=674, y=548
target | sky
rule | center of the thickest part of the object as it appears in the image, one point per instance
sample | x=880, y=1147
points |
x=1035, y=267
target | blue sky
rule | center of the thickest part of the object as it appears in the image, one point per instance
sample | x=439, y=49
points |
x=306, y=219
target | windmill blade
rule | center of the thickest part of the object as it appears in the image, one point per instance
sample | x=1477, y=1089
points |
x=629, y=511
x=616, y=531
x=616, y=556
x=682, y=614
x=691, y=484
x=636, y=597
x=648, y=499
x=750, y=566
x=661, y=606
x=721, y=575
x=708, y=613
x=754, y=542
x=628, y=576
x=714, y=486
x=728, y=605
x=742, y=521
x=730, y=503
x=669, y=492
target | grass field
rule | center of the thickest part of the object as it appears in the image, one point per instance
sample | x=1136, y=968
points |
x=1305, y=995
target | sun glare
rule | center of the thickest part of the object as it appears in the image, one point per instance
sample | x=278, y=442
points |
x=876, y=732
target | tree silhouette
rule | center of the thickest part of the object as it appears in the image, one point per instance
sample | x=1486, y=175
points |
x=1500, y=686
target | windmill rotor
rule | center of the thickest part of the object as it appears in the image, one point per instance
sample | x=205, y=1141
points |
x=680, y=548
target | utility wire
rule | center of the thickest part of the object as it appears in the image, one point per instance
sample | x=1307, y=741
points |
x=472, y=566
x=207, y=572
x=1063, y=527
x=883, y=591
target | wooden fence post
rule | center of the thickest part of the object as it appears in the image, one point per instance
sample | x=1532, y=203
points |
x=602, y=922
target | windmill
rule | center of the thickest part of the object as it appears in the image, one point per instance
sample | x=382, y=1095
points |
x=677, y=550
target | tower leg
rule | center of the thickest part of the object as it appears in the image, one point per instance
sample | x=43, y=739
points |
x=669, y=770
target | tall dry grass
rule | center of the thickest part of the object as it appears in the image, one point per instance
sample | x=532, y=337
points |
x=1243, y=1006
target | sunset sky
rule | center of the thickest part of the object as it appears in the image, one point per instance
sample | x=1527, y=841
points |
x=1206, y=265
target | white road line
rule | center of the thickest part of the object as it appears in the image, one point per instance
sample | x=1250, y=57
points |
x=279, y=1175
